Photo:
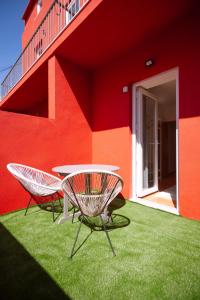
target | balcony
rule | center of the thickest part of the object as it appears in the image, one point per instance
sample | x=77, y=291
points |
x=60, y=14
x=103, y=32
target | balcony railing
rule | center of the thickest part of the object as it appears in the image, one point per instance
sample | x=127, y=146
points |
x=58, y=17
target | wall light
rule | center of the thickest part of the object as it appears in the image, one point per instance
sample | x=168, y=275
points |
x=125, y=89
x=149, y=62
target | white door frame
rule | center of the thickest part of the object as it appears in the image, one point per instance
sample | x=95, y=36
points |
x=158, y=79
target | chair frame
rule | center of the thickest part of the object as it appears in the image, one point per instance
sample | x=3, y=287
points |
x=103, y=210
x=55, y=190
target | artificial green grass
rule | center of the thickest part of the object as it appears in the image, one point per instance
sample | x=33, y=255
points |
x=158, y=257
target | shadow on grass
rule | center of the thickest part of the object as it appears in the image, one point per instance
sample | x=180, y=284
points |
x=111, y=221
x=55, y=207
x=117, y=203
x=21, y=277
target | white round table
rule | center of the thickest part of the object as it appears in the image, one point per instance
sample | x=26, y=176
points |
x=68, y=169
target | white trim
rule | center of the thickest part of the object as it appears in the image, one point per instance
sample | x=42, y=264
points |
x=152, y=204
x=158, y=79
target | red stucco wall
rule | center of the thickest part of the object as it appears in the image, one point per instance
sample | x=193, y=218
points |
x=178, y=46
x=44, y=143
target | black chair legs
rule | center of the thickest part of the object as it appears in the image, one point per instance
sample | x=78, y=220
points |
x=108, y=237
x=28, y=206
x=73, y=251
x=76, y=238
x=53, y=208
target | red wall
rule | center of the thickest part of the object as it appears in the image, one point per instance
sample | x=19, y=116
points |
x=44, y=143
x=33, y=20
x=178, y=46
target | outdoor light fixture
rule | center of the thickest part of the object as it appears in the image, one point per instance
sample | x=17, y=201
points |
x=125, y=89
x=149, y=62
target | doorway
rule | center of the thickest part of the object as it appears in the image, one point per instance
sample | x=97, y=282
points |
x=155, y=141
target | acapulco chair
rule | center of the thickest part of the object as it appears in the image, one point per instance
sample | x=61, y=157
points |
x=42, y=187
x=91, y=191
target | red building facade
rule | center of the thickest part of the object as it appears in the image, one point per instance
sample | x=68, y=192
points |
x=75, y=101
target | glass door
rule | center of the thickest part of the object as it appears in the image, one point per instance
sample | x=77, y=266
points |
x=147, y=145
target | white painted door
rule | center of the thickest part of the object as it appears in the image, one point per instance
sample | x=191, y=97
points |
x=146, y=143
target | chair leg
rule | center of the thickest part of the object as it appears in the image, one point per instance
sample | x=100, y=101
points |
x=111, y=218
x=73, y=216
x=28, y=206
x=53, y=210
x=76, y=238
x=60, y=202
x=108, y=237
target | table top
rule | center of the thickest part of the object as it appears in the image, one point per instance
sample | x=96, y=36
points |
x=68, y=169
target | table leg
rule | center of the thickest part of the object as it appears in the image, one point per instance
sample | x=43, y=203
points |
x=66, y=216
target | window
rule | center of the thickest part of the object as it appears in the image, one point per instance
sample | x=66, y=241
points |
x=72, y=9
x=39, y=6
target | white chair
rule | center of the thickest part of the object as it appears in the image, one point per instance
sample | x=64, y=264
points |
x=42, y=187
x=91, y=191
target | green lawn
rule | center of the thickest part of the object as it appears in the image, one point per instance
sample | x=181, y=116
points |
x=158, y=257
